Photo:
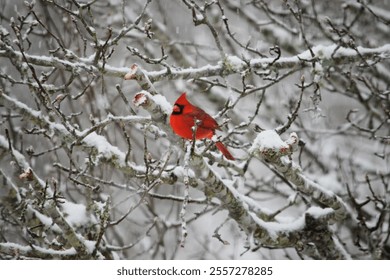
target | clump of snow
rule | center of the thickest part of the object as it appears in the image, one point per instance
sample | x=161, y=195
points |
x=268, y=140
x=90, y=245
x=104, y=148
x=274, y=229
x=214, y=138
x=318, y=212
x=235, y=63
x=163, y=103
x=181, y=172
x=75, y=214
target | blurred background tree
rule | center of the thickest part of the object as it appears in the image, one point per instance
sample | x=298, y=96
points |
x=90, y=168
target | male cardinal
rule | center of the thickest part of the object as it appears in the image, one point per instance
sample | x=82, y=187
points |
x=187, y=119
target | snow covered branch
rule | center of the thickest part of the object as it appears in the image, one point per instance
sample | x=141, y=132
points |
x=328, y=56
x=309, y=234
x=268, y=146
x=88, y=140
x=325, y=55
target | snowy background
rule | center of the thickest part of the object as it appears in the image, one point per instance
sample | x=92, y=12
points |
x=90, y=168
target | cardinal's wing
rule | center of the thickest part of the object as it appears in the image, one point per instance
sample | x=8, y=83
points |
x=206, y=121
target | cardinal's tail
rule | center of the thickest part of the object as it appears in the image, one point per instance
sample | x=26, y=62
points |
x=224, y=150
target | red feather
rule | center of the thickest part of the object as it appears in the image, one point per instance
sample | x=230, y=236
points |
x=183, y=118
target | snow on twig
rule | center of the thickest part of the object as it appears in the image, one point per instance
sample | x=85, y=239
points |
x=332, y=55
x=87, y=140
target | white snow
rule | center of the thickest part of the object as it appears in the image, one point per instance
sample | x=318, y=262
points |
x=266, y=140
x=18, y=156
x=165, y=106
x=75, y=214
x=181, y=172
x=104, y=148
x=22, y=106
x=27, y=248
x=45, y=220
x=324, y=53
x=274, y=228
x=318, y=72
x=317, y=212
x=90, y=244
x=236, y=63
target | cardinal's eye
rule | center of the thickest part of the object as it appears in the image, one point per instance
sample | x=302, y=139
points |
x=177, y=109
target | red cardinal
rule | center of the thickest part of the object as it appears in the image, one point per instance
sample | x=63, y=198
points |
x=183, y=119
